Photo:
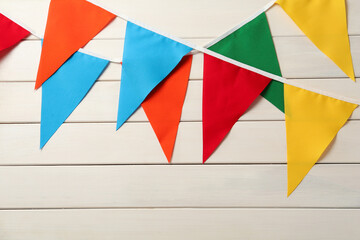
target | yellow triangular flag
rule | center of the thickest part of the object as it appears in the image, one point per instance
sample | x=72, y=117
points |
x=324, y=22
x=312, y=122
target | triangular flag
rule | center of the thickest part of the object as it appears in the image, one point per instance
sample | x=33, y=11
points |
x=228, y=91
x=71, y=24
x=324, y=22
x=65, y=89
x=163, y=106
x=10, y=33
x=312, y=122
x=147, y=59
x=253, y=45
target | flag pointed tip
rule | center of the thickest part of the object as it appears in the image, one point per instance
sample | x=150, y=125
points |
x=350, y=73
x=168, y=157
x=296, y=176
x=45, y=134
x=163, y=106
x=167, y=145
x=119, y=124
x=37, y=86
x=65, y=89
x=40, y=78
x=319, y=26
x=292, y=185
x=43, y=142
x=289, y=193
x=144, y=49
x=353, y=78
x=205, y=157
x=225, y=101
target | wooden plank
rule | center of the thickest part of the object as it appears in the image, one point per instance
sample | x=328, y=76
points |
x=179, y=224
x=22, y=62
x=176, y=186
x=298, y=58
x=19, y=103
x=136, y=143
x=206, y=18
x=239, y=193
x=282, y=25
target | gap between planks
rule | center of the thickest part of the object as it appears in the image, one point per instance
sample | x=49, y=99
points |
x=141, y=122
x=177, y=208
x=161, y=164
x=191, y=79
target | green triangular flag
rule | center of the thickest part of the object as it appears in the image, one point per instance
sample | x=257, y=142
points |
x=253, y=45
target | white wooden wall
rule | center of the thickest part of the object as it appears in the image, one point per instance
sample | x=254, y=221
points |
x=91, y=182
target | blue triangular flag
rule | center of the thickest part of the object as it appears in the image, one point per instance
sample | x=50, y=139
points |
x=148, y=58
x=65, y=89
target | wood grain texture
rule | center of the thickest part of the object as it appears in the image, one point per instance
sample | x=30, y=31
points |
x=298, y=58
x=19, y=103
x=195, y=19
x=179, y=224
x=176, y=186
x=92, y=182
x=136, y=143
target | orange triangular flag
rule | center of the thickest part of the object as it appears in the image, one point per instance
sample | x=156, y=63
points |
x=164, y=104
x=71, y=24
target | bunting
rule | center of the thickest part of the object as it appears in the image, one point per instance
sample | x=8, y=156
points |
x=312, y=122
x=156, y=69
x=164, y=105
x=253, y=45
x=147, y=59
x=228, y=91
x=65, y=89
x=11, y=33
x=324, y=22
x=71, y=24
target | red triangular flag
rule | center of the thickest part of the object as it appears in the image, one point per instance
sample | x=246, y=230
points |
x=71, y=24
x=164, y=104
x=11, y=33
x=228, y=91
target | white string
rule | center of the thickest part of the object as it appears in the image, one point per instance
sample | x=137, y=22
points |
x=115, y=60
x=281, y=79
x=255, y=15
x=211, y=53
x=21, y=25
x=229, y=60
x=126, y=18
